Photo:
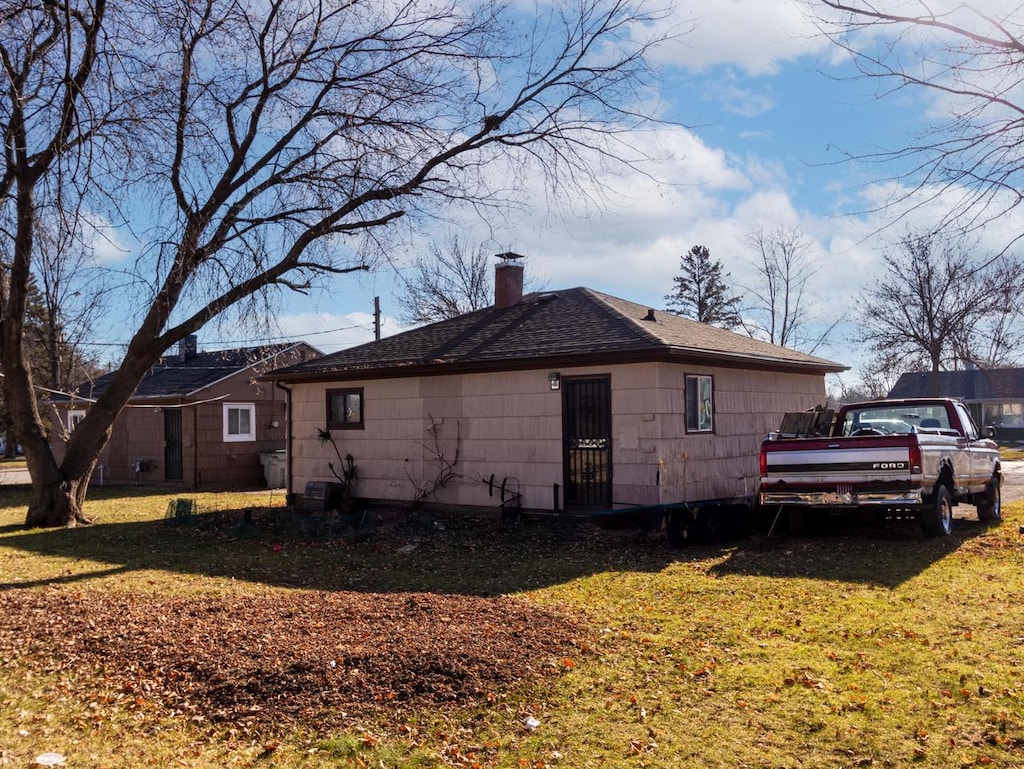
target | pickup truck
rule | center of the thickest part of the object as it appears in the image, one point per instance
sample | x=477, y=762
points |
x=917, y=457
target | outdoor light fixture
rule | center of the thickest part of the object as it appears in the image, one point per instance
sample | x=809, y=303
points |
x=555, y=380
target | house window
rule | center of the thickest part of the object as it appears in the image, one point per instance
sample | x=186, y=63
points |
x=345, y=409
x=74, y=417
x=239, y=422
x=1002, y=414
x=700, y=405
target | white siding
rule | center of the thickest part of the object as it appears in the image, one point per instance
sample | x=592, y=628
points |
x=508, y=425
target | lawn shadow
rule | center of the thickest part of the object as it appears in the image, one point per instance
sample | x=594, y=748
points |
x=415, y=553
x=428, y=552
x=885, y=555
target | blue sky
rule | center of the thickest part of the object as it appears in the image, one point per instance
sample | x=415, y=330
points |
x=763, y=111
x=761, y=127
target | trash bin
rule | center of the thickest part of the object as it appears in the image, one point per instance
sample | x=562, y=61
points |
x=275, y=468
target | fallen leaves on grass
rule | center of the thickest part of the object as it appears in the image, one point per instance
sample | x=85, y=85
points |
x=309, y=659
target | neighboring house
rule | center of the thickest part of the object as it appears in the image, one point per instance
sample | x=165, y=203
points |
x=995, y=397
x=558, y=400
x=198, y=419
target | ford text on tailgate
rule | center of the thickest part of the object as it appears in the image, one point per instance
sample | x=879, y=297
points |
x=920, y=457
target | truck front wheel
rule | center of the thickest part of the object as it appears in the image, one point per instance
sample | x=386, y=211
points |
x=990, y=508
x=937, y=517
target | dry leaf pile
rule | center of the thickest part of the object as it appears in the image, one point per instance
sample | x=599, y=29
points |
x=258, y=663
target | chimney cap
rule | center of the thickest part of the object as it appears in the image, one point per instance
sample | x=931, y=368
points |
x=509, y=256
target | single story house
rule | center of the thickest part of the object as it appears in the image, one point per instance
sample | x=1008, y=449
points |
x=197, y=420
x=995, y=397
x=551, y=401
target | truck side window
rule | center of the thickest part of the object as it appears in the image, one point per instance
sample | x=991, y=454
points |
x=850, y=423
x=970, y=429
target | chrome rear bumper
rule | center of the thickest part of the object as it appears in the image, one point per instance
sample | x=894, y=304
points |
x=842, y=499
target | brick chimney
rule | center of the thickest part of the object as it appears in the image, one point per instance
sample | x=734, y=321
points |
x=188, y=347
x=508, y=281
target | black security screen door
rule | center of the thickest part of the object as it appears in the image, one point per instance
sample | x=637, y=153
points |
x=586, y=442
x=172, y=444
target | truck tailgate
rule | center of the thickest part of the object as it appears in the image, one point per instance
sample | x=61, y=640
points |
x=837, y=459
x=842, y=472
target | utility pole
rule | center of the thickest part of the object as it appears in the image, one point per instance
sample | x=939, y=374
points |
x=376, y=318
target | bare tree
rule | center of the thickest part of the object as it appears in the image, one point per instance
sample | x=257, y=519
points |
x=994, y=339
x=72, y=298
x=701, y=293
x=450, y=281
x=879, y=373
x=869, y=386
x=259, y=147
x=775, y=308
x=970, y=163
x=52, y=112
x=930, y=307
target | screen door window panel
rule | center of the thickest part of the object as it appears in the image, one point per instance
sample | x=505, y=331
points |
x=586, y=419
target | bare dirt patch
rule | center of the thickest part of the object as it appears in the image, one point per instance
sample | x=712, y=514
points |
x=304, y=659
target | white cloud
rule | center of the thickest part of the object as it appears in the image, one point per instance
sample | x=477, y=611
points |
x=107, y=244
x=739, y=99
x=755, y=37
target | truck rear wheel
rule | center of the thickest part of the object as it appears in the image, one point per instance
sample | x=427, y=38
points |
x=991, y=507
x=937, y=517
x=679, y=526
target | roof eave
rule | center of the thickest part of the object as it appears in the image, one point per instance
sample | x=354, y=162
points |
x=745, y=359
x=669, y=355
x=239, y=370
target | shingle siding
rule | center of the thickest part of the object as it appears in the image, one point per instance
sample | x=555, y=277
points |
x=510, y=427
x=478, y=385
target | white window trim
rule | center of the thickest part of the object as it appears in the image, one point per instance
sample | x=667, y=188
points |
x=695, y=427
x=241, y=437
x=73, y=415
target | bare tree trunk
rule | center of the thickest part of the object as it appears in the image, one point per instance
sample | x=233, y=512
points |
x=936, y=360
x=57, y=495
x=58, y=503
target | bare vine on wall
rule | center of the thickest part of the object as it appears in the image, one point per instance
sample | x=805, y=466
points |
x=436, y=454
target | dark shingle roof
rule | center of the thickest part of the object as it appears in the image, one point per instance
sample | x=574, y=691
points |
x=974, y=385
x=574, y=325
x=175, y=377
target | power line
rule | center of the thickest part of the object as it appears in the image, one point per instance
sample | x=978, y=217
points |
x=283, y=337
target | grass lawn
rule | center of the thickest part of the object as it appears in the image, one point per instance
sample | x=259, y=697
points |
x=860, y=648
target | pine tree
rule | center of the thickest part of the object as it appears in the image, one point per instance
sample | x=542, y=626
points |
x=701, y=293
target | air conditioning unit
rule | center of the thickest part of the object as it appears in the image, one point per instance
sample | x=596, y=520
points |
x=321, y=495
